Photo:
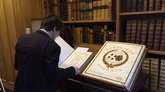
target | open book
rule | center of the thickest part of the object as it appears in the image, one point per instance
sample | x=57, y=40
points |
x=116, y=63
x=78, y=59
x=66, y=49
x=69, y=57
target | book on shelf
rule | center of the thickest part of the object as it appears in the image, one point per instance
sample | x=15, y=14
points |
x=151, y=30
x=162, y=41
x=134, y=31
x=128, y=30
x=116, y=63
x=138, y=34
x=151, y=5
x=145, y=5
x=158, y=4
x=77, y=59
x=163, y=5
x=162, y=76
x=157, y=36
x=144, y=31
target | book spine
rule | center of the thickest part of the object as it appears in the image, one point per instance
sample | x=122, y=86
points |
x=134, y=30
x=162, y=76
x=145, y=5
x=128, y=30
x=78, y=10
x=139, y=5
x=163, y=5
x=162, y=43
x=69, y=2
x=144, y=32
x=151, y=5
x=74, y=10
x=154, y=74
x=157, y=35
x=90, y=10
x=128, y=5
x=134, y=6
x=157, y=4
x=151, y=30
x=138, y=33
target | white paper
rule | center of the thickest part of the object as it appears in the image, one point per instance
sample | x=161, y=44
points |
x=82, y=49
x=66, y=49
x=76, y=59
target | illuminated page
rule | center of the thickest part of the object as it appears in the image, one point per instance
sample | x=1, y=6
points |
x=66, y=49
x=115, y=63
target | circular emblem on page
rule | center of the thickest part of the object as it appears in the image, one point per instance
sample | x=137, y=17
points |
x=115, y=58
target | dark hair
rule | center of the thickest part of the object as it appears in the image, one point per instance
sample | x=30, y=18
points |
x=48, y=23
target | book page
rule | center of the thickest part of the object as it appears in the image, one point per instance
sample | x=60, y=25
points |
x=66, y=49
x=76, y=59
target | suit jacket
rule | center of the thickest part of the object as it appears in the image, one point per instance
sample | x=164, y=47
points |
x=36, y=60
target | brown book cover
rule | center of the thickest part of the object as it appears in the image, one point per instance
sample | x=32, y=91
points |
x=144, y=32
x=74, y=10
x=138, y=33
x=145, y=5
x=157, y=34
x=94, y=10
x=77, y=35
x=162, y=43
x=69, y=2
x=151, y=5
x=128, y=30
x=133, y=31
x=90, y=10
x=157, y=4
x=163, y=5
x=151, y=30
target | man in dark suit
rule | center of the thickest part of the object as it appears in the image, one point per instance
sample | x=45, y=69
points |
x=37, y=57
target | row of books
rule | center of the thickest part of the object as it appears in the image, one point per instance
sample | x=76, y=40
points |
x=145, y=5
x=155, y=68
x=148, y=32
x=71, y=10
x=93, y=34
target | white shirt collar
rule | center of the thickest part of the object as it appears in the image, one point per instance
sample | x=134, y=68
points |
x=44, y=31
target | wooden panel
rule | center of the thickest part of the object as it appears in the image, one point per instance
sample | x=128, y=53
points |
x=6, y=50
x=19, y=19
x=2, y=65
x=26, y=11
x=36, y=6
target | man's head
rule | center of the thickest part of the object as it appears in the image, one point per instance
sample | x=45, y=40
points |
x=53, y=25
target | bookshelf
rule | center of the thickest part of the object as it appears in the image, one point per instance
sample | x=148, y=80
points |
x=143, y=20
x=124, y=14
x=91, y=21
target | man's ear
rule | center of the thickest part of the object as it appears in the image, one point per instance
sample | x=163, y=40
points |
x=54, y=29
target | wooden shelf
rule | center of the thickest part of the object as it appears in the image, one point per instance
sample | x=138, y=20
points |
x=142, y=13
x=156, y=52
x=88, y=21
